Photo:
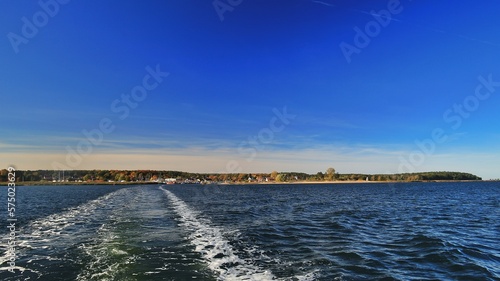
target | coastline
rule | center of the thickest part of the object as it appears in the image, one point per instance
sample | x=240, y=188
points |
x=128, y=177
x=238, y=183
x=349, y=182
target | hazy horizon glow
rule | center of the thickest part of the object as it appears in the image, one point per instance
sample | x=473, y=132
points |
x=378, y=87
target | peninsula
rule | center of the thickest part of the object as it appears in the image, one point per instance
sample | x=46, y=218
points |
x=48, y=177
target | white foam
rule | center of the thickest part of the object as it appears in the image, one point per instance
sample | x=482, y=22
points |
x=43, y=233
x=214, y=247
x=311, y=276
x=7, y=268
x=106, y=258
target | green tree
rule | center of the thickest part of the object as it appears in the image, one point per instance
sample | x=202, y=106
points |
x=3, y=175
x=330, y=174
x=281, y=177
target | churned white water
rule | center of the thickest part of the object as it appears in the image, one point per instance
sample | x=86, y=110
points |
x=214, y=247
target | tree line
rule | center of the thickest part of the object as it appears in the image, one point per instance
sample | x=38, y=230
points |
x=96, y=176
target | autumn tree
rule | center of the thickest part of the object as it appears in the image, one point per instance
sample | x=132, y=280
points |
x=330, y=174
x=3, y=175
x=281, y=178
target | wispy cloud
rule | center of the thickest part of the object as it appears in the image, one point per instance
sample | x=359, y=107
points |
x=307, y=160
x=346, y=159
x=323, y=3
x=351, y=9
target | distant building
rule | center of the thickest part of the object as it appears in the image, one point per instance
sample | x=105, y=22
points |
x=170, y=180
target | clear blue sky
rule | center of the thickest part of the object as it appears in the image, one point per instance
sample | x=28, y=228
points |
x=229, y=72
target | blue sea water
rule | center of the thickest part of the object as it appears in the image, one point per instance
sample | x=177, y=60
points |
x=404, y=231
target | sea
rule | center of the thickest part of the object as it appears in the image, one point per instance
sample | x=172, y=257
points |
x=365, y=231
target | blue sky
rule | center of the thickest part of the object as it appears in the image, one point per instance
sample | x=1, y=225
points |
x=234, y=67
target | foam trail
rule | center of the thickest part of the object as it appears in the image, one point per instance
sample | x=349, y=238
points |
x=107, y=260
x=50, y=232
x=105, y=257
x=215, y=249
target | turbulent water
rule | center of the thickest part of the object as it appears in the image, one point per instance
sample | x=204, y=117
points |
x=415, y=231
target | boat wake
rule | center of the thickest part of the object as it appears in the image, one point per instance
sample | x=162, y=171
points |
x=49, y=238
x=216, y=250
x=106, y=256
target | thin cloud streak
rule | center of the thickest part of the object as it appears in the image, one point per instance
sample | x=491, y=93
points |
x=197, y=159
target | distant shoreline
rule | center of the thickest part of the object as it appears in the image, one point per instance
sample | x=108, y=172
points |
x=350, y=182
x=236, y=183
x=114, y=177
